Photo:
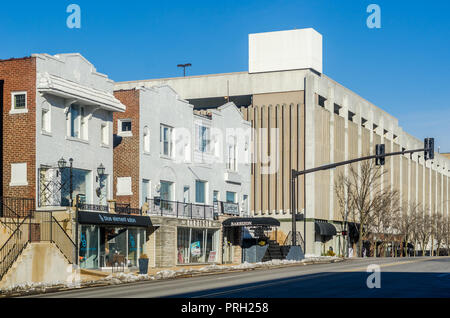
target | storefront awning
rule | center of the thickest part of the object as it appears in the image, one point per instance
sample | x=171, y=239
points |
x=251, y=222
x=325, y=229
x=109, y=219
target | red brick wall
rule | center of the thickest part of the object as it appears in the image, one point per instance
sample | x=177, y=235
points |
x=19, y=130
x=126, y=154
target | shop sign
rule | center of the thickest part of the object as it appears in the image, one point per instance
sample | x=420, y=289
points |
x=230, y=208
x=241, y=223
x=113, y=219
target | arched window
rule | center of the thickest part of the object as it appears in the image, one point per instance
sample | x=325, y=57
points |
x=146, y=139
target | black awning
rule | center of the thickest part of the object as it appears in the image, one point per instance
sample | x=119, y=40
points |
x=109, y=219
x=324, y=228
x=251, y=222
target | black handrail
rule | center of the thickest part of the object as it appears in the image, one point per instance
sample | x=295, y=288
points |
x=12, y=248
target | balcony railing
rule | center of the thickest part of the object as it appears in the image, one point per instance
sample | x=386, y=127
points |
x=127, y=209
x=180, y=209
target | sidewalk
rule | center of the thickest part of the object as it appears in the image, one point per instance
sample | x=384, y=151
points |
x=95, y=278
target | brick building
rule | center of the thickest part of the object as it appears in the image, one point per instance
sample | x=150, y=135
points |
x=181, y=167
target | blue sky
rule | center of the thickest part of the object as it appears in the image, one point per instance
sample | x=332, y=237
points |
x=402, y=68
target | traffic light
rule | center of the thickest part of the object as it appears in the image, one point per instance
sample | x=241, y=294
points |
x=379, y=151
x=429, y=148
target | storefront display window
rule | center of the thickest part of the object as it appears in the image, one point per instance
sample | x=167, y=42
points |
x=211, y=246
x=136, y=239
x=106, y=246
x=183, y=245
x=89, y=246
x=197, y=246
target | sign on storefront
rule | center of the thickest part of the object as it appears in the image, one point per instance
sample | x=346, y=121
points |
x=113, y=219
x=212, y=257
x=230, y=208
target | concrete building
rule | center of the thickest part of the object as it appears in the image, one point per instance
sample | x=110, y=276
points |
x=182, y=168
x=319, y=121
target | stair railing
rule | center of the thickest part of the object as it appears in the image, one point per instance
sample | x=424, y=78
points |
x=299, y=239
x=14, y=246
x=52, y=231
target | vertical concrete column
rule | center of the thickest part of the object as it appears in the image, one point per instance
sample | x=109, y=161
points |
x=310, y=89
x=329, y=105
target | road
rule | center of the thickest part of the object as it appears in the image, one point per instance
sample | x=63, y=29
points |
x=399, y=277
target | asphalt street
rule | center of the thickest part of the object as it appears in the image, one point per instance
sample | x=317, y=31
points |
x=399, y=277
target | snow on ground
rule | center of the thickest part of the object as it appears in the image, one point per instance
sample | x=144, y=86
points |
x=119, y=278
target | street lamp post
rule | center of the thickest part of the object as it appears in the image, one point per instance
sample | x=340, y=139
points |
x=62, y=164
x=70, y=182
x=184, y=67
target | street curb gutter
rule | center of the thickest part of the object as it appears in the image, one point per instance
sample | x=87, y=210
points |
x=93, y=284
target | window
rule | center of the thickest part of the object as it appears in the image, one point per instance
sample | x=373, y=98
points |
x=78, y=122
x=231, y=197
x=18, y=174
x=350, y=115
x=200, y=191
x=203, y=138
x=186, y=194
x=215, y=196
x=337, y=109
x=45, y=121
x=166, y=191
x=125, y=127
x=146, y=140
x=166, y=140
x=245, y=204
x=124, y=186
x=104, y=134
x=231, y=154
x=363, y=122
x=321, y=101
x=145, y=190
x=18, y=102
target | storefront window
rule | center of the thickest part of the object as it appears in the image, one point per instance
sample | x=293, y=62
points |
x=89, y=246
x=113, y=246
x=197, y=246
x=211, y=246
x=133, y=247
x=106, y=246
x=183, y=241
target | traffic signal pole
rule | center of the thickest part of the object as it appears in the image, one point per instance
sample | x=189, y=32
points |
x=296, y=173
x=428, y=151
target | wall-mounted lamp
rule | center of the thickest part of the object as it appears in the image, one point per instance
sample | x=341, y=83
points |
x=100, y=171
x=62, y=163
